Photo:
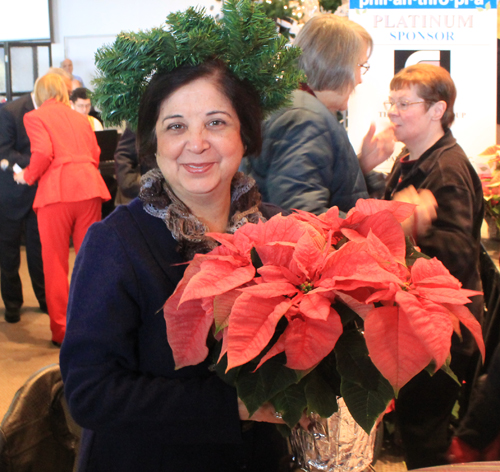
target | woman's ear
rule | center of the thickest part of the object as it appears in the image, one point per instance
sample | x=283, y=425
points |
x=438, y=110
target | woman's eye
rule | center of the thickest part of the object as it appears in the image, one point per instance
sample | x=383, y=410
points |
x=175, y=126
x=216, y=123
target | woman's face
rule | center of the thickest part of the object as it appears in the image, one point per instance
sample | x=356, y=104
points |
x=413, y=124
x=337, y=101
x=199, y=143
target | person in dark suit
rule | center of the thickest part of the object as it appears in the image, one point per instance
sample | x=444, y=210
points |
x=16, y=213
x=128, y=169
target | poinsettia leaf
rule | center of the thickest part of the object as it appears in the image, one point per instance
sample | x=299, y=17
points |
x=425, y=268
x=397, y=353
x=308, y=341
x=327, y=369
x=366, y=405
x=430, y=322
x=353, y=361
x=222, y=307
x=187, y=330
x=315, y=306
x=412, y=253
x=321, y=397
x=349, y=269
x=281, y=228
x=216, y=277
x=277, y=254
x=220, y=367
x=277, y=348
x=370, y=206
x=291, y=404
x=253, y=323
x=447, y=370
x=441, y=294
x=318, y=223
x=469, y=321
x=308, y=253
x=256, y=387
x=349, y=308
x=387, y=231
x=270, y=290
x=225, y=239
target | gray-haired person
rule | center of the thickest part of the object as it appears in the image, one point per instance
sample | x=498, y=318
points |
x=307, y=161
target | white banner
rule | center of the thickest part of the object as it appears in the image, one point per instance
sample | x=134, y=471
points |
x=459, y=35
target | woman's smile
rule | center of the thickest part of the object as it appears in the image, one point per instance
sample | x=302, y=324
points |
x=199, y=142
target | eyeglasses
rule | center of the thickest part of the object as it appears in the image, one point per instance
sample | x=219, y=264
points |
x=402, y=105
x=364, y=68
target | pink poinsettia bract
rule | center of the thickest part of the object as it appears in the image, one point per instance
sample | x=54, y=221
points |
x=306, y=263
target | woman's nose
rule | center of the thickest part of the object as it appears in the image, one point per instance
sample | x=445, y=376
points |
x=197, y=141
x=392, y=111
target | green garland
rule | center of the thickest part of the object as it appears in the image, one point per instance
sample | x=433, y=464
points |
x=245, y=39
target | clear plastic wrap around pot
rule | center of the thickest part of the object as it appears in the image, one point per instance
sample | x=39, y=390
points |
x=335, y=444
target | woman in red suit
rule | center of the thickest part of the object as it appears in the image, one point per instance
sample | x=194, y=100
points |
x=64, y=162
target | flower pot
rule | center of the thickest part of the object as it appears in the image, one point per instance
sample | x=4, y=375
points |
x=335, y=444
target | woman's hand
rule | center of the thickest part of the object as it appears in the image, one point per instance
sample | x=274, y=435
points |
x=19, y=178
x=424, y=214
x=376, y=148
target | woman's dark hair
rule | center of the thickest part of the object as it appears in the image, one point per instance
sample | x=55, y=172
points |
x=241, y=94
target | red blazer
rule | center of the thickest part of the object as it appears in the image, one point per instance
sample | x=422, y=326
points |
x=64, y=156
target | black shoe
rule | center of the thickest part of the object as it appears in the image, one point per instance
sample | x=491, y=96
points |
x=56, y=344
x=12, y=316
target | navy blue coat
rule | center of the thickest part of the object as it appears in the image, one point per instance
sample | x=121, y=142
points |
x=137, y=411
x=307, y=161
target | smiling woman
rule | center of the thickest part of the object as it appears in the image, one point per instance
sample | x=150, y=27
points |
x=200, y=148
x=138, y=411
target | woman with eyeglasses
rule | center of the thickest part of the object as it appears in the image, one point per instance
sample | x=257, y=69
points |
x=307, y=161
x=420, y=108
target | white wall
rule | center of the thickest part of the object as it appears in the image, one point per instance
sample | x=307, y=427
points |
x=80, y=28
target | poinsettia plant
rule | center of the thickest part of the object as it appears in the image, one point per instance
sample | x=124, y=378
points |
x=308, y=308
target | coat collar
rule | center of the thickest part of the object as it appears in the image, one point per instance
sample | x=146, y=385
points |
x=159, y=240
x=428, y=159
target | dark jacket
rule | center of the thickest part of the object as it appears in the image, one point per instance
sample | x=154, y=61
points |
x=15, y=200
x=455, y=236
x=139, y=413
x=128, y=169
x=307, y=161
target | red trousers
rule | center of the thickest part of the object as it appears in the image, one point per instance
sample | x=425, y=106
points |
x=56, y=223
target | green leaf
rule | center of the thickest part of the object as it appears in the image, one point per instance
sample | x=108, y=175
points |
x=290, y=403
x=347, y=314
x=256, y=388
x=230, y=376
x=321, y=397
x=353, y=362
x=412, y=254
x=330, y=5
x=447, y=370
x=366, y=405
x=256, y=261
x=283, y=429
